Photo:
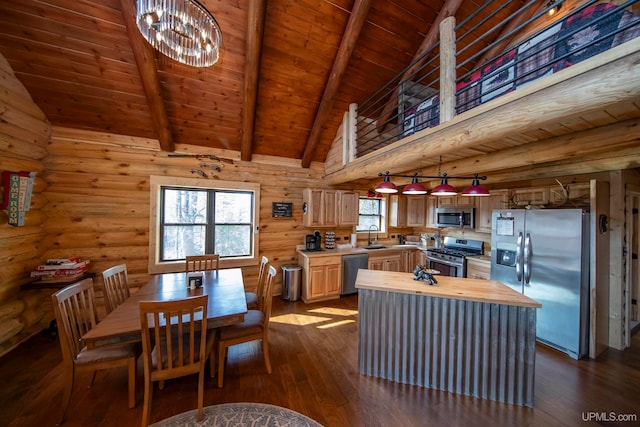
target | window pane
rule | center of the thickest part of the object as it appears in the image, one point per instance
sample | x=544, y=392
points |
x=370, y=214
x=233, y=240
x=180, y=241
x=367, y=221
x=369, y=207
x=233, y=208
x=185, y=207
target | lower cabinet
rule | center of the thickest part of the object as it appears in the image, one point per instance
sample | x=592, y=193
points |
x=387, y=261
x=415, y=257
x=478, y=269
x=321, y=277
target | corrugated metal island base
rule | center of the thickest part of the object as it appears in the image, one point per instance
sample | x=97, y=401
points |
x=467, y=336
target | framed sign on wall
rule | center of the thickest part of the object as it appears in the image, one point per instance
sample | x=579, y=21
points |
x=282, y=210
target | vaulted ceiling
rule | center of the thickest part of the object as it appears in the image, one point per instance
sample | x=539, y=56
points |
x=287, y=70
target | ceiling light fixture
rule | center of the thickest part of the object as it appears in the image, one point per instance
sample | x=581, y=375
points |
x=442, y=189
x=183, y=30
x=386, y=186
x=415, y=187
x=553, y=7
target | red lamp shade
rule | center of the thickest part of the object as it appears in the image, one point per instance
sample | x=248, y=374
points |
x=444, y=189
x=415, y=187
x=476, y=189
x=386, y=186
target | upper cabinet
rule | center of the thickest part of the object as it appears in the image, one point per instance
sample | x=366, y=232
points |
x=498, y=199
x=416, y=211
x=523, y=197
x=407, y=211
x=432, y=204
x=348, y=207
x=329, y=208
x=397, y=210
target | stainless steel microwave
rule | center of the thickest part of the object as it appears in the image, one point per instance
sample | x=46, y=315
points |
x=456, y=217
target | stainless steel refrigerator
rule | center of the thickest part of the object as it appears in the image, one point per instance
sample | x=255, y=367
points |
x=545, y=255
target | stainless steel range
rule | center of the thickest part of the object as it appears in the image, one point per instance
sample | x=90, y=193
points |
x=450, y=259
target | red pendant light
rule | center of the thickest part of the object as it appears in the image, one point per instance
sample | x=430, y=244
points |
x=444, y=189
x=476, y=189
x=386, y=186
x=415, y=187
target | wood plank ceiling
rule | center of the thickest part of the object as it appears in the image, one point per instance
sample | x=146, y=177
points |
x=287, y=70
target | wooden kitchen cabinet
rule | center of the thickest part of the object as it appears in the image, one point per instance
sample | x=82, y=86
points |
x=330, y=208
x=478, y=268
x=321, y=277
x=348, y=207
x=416, y=211
x=312, y=207
x=432, y=205
x=446, y=200
x=387, y=261
x=530, y=196
x=397, y=210
x=498, y=199
x=579, y=194
x=415, y=257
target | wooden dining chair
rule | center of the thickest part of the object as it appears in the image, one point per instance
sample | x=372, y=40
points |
x=116, y=286
x=75, y=312
x=253, y=297
x=254, y=327
x=202, y=262
x=175, y=351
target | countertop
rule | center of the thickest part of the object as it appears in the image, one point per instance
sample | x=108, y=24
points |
x=490, y=291
x=359, y=250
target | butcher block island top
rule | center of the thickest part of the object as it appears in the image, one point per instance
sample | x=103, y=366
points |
x=489, y=291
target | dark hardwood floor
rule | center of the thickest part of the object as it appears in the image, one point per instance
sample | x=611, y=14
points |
x=314, y=359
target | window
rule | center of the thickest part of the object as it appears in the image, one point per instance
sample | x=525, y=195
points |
x=197, y=222
x=370, y=213
x=196, y=217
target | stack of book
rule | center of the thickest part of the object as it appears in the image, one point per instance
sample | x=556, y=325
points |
x=61, y=270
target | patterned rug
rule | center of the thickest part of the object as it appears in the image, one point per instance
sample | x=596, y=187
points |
x=240, y=415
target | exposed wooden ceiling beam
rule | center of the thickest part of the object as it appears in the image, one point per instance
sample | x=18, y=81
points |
x=255, y=35
x=347, y=44
x=449, y=8
x=145, y=60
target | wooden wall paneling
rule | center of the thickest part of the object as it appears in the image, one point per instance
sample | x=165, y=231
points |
x=101, y=193
x=599, y=272
x=24, y=133
x=616, y=241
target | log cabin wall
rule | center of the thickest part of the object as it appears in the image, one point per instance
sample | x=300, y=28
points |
x=98, y=193
x=24, y=134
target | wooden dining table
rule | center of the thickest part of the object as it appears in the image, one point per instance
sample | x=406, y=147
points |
x=226, y=305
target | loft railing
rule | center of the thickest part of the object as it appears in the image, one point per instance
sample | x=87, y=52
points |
x=444, y=82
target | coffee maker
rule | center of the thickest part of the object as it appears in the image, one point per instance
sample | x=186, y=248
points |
x=313, y=242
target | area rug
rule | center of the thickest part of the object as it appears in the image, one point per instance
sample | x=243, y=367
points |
x=240, y=415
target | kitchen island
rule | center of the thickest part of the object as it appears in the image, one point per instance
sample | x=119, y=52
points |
x=468, y=336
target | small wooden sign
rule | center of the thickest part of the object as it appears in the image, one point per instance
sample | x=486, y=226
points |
x=282, y=210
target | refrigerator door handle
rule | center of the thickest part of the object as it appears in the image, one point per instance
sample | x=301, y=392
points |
x=527, y=258
x=519, y=260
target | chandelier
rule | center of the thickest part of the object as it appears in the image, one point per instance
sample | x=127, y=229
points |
x=183, y=30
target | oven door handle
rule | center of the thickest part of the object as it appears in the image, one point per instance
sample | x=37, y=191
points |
x=445, y=262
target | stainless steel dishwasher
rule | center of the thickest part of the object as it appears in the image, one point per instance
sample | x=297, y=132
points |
x=350, y=266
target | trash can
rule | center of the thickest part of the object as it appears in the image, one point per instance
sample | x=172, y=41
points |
x=291, y=275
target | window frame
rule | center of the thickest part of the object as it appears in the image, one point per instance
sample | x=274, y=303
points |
x=383, y=217
x=158, y=182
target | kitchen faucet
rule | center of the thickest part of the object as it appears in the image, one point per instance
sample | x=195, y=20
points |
x=369, y=235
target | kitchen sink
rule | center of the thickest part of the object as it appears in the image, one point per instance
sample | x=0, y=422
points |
x=375, y=247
